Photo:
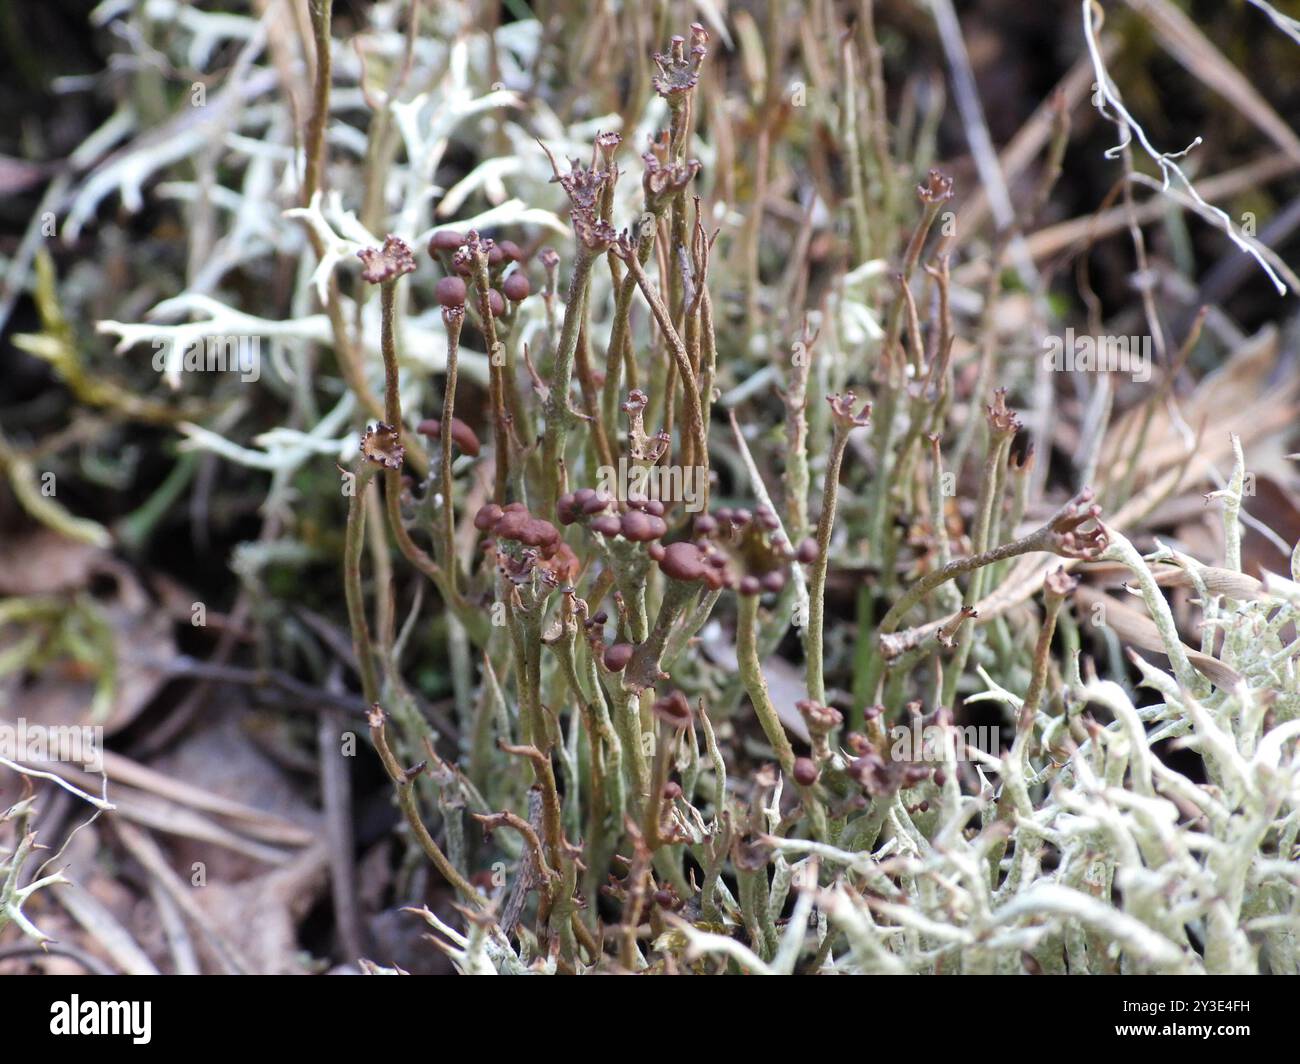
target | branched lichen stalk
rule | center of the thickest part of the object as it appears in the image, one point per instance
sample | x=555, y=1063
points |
x=320, y=11
x=557, y=402
x=814, y=647
x=817, y=578
x=751, y=675
x=677, y=348
x=496, y=371
x=452, y=318
x=353, y=546
x=406, y=799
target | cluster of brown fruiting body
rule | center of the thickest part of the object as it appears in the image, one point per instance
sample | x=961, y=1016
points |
x=381, y=445
x=728, y=548
x=759, y=553
x=524, y=543
x=380, y=265
x=1070, y=540
x=640, y=520
x=678, y=75
x=878, y=774
x=663, y=178
x=455, y=252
